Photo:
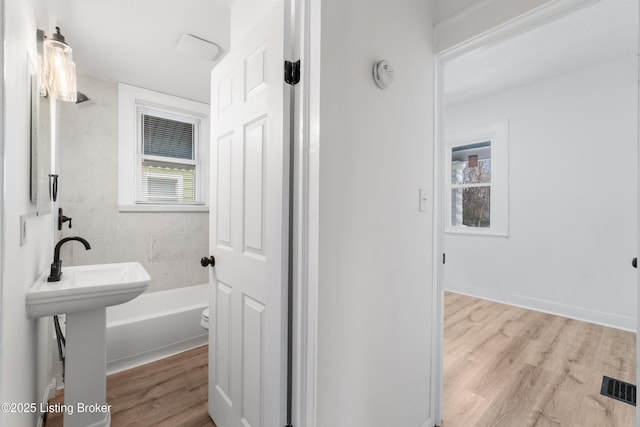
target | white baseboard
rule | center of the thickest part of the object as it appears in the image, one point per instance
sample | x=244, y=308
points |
x=156, y=354
x=611, y=320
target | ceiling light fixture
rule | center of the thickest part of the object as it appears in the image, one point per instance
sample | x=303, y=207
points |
x=59, y=70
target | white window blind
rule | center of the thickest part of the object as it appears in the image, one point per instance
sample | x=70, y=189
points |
x=168, y=166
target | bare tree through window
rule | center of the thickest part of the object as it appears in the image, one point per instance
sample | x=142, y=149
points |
x=471, y=185
x=476, y=201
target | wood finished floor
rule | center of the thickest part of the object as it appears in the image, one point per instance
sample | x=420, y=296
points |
x=504, y=366
x=171, y=392
x=507, y=366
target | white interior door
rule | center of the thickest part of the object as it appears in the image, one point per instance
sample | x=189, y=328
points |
x=249, y=226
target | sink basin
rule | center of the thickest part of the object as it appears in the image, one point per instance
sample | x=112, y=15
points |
x=83, y=294
x=86, y=287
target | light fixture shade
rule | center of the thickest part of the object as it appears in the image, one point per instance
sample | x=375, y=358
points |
x=59, y=69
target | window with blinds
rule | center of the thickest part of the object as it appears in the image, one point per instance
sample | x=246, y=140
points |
x=168, y=161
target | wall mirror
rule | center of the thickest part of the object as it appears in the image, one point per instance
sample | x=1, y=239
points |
x=40, y=147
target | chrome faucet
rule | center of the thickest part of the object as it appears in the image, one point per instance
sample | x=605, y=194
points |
x=56, y=266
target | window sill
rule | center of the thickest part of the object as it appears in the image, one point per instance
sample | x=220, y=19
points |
x=163, y=208
x=475, y=232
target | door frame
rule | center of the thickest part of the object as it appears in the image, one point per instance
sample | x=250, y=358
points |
x=504, y=31
x=304, y=242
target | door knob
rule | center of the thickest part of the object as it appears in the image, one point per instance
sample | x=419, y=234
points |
x=205, y=261
x=634, y=262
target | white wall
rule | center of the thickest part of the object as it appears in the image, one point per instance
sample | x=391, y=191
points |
x=244, y=15
x=572, y=197
x=375, y=271
x=168, y=244
x=21, y=364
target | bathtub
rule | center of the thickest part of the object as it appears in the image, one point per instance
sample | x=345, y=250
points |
x=154, y=326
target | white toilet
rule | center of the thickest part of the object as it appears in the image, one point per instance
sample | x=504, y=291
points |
x=204, y=320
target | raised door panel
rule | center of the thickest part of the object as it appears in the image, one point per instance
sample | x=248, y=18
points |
x=254, y=181
x=222, y=367
x=255, y=66
x=223, y=199
x=252, y=361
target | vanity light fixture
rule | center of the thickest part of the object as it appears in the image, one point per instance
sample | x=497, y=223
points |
x=59, y=70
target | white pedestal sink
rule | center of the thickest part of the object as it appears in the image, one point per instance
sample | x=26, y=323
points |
x=83, y=293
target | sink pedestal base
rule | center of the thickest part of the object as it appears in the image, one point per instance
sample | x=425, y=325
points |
x=85, y=390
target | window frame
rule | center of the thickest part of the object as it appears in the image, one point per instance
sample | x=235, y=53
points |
x=131, y=100
x=497, y=136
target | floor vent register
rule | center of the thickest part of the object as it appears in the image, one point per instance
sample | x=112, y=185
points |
x=618, y=390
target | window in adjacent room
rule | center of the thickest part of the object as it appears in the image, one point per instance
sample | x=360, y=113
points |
x=477, y=182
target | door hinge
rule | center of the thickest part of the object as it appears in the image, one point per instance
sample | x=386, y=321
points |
x=444, y=258
x=292, y=72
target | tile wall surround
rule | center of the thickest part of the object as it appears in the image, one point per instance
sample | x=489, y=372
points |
x=168, y=244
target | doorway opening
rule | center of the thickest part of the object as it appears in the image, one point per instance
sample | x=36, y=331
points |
x=549, y=221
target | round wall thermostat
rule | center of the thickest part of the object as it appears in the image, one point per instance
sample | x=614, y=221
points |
x=383, y=74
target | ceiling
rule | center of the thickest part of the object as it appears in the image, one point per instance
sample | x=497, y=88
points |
x=597, y=33
x=134, y=41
